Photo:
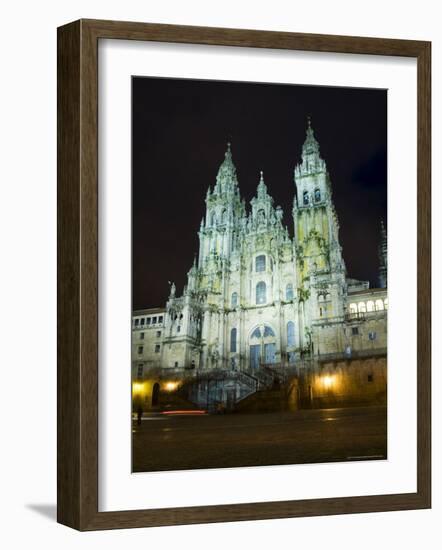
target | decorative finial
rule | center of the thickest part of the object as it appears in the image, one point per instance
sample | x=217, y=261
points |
x=309, y=121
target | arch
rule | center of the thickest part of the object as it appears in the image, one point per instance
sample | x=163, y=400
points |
x=386, y=303
x=262, y=346
x=260, y=263
x=305, y=198
x=353, y=309
x=317, y=195
x=289, y=292
x=290, y=333
x=370, y=305
x=155, y=394
x=233, y=334
x=234, y=299
x=362, y=307
x=379, y=305
x=261, y=293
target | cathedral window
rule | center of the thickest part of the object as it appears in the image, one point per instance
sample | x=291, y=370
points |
x=370, y=305
x=157, y=348
x=289, y=292
x=158, y=333
x=386, y=303
x=260, y=263
x=317, y=195
x=361, y=307
x=140, y=350
x=141, y=335
x=234, y=299
x=261, y=293
x=212, y=218
x=147, y=321
x=290, y=333
x=233, y=340
x=142, y=321
x=137, y=322
x=268, y=332
x=256, y=333
x=372, y=335
x=305, y=198
x=178, y=329
x=379, y=305
x=160, y=319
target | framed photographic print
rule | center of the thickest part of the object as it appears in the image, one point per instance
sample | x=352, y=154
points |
x=244, y=275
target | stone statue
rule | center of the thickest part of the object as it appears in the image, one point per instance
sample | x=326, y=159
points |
x=172, y=290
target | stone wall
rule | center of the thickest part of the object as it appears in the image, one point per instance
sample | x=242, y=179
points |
x=344, y=382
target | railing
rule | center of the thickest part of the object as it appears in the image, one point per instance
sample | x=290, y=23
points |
x=353, y=354
x=248, y=379
x=363, y=315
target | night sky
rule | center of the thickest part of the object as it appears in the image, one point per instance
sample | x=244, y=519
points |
x=180, y=129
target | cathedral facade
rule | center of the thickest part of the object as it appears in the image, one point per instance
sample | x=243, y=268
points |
x=255, y=296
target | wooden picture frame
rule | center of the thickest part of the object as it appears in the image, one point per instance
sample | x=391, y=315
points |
x=78, y=274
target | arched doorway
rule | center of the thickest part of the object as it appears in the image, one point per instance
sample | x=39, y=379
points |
x=262, y=346
x=155, y=394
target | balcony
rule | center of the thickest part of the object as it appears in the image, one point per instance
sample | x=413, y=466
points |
x=366, y=316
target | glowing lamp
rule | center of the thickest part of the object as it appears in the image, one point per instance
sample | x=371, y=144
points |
x=171, y=386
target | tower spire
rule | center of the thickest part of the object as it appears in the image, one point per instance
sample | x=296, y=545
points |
x=311, y=145
x=227, y=172
x=262, y=187
x=383, y=257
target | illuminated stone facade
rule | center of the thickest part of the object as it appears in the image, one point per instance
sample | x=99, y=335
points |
x=256, y=296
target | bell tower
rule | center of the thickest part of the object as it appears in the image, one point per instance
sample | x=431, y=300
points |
x=218, y=230
x=320, y=266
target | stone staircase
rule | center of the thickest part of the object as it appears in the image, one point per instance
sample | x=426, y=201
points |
x=220, y=390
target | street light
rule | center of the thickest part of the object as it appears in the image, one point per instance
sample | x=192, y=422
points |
x=327, y=381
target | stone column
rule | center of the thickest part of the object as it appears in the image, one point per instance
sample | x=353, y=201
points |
x=207, y=319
